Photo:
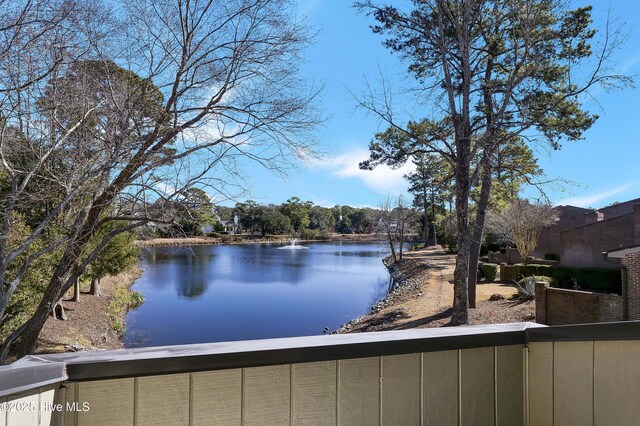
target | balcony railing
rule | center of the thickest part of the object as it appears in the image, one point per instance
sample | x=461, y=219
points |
x=505, y=374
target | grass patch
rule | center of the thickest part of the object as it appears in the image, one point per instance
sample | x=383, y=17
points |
x=123, y=301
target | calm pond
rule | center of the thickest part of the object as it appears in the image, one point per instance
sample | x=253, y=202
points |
x=237, y=292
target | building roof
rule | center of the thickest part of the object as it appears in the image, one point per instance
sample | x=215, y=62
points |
x=620, y=253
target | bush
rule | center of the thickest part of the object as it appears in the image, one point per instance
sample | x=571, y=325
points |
x=527, y=287
x=123, y=300
x=596, y=279
x=550, y=256
x=490, y=271
x=324, y=235
x=308, y=234
x=609, y=280
x=215, y=235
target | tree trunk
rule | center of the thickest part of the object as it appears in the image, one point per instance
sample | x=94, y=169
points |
x=58, y=311
x=76, y=290
x=393, y=249
x=25, y=338
x=425, y=230
x=95, y=287
x=433, y=213
x=460, y=313
x=27, y=335
x=425, y=206
x=478, y=229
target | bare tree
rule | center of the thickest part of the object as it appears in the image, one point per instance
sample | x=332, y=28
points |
x=163, y=96
x=395, y=218
x=521, y=224
x=405, y=217
x=387, y=225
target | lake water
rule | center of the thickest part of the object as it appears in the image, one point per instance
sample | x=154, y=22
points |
x=237, y=292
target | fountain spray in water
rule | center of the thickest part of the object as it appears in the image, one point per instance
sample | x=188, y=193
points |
x=292, y=245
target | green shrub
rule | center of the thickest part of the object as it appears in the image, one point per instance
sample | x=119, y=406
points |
x=308, y=234
x=596, y=279
x=490, y=271
x=519, y=271
x=215, y=235
x=609, y=280
x=123, y=300
x=135, y=299
x=118, y=327
x=324, y=235
x=550, y=256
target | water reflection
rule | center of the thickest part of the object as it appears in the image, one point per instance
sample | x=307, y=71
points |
x=220, y=293
x=358, y=253
x=380, y=290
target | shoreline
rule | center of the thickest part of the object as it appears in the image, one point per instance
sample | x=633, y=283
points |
x=405, y=286
x=90, y=324
x=423, y=297
x=247, y=239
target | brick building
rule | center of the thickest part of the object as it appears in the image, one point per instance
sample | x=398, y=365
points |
x=580, y=236
x=555, y=306
x=629, y=258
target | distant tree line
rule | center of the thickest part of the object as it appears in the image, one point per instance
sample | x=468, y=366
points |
x=196, y=213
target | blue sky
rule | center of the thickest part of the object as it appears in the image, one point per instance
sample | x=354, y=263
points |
x=603, y=167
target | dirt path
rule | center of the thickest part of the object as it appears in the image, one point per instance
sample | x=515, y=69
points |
x=431, y=271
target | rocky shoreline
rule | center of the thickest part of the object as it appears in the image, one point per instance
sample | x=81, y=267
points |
x=423, y=296
x=405, y=286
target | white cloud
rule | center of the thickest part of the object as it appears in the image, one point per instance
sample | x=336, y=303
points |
x=322, y=202
x=591, y=200
x=308, y=7
x=629, y=65
x=382, y=179
x=164, y=188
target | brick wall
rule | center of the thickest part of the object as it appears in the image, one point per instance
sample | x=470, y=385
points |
x=619, y=209
x=541, y=302
x=583, y=235
x=497, y=257
x=636, y=214
x=583, y=246
x=593, y=217
x=549, y=238
x=632, y=263
x=512, y=256
x=556, y=306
